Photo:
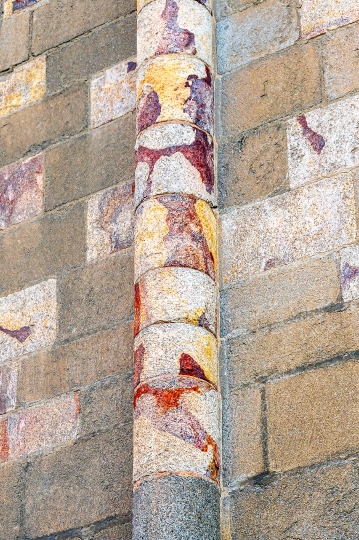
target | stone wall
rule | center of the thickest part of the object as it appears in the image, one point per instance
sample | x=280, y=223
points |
x=67, y=134
x=288, y=118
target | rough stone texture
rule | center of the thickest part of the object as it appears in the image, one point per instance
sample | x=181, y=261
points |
x=349, y=263
x=113, y=93
x=242, y=435
x=39, y=428
x=110, y=221
x=60, y=21
x=41, y=248
x=12, y=475
x=13, y=7
x=174, y=158
x=8, y=385
x=36, y=126
x=80, y=484
x=173, y=26
x=227, y=7
x=25, y=85
x=91, y=162
x=323, y=141
x=173, y=230
x=318, y=503
x=96, y=296
x=255, y=32
x=314, y=338
x=176, y=508
x=312, y=219
x=253, y=166
x=28, y=320
x=14, y=40
x=272, y=88
x=118, y=532
x=176, y=349
x=190, y=298
x=280, y=294
x=21, y=191
x=313, y=416
x=318, y=17
x=78, y=363
x=100, y=49
x=176, y=428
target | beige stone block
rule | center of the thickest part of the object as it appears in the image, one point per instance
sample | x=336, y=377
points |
x=318, y=17
x=349, y=264
x=14, y=40
x=312, y=219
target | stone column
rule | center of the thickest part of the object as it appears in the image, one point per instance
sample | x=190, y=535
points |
x=176, y=426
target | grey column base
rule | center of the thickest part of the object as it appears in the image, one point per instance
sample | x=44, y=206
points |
x=176, y=508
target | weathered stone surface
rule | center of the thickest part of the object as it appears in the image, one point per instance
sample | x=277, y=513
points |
x=176, y=508
x=21, y=191
x=173, y=230
x=80, y=484
x=175, y=295
x=255, y=32
x=319, y=17
x=118, y=532
x=317, y=337
x=349, y=264
x=175, y=349
x=97, y=296
x=110, y=221
x=227, y=7
x=242, y=435
x=78, y=363
x=175, y=87
x=40, y=427
x=113, y=93
x=174, y=26
x=14, y=6
x=280, y=294
x=35, y=127
x=11, y=496
x=8, y=385
x=174, y=158
x=313, y=416
x=272, y=88
x=91, y=162
x=323, y=141
x=341, y=61
x=25, y=85
x=253, y=166
x=28, y=320
x=312, y=219
x=55, y=23
x=318, y=503
x=14, y=37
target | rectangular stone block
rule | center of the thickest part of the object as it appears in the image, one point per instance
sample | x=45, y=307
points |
x=280, y=294
x=97, y=296
x=80, y=484
x=113, y=93
x=78, y=363
x=8, y=384
x=341, y=61
x=323, y=141
x=314, y=338
x=25, y=85
x=270, y=89
x=253, y=166
x=319, y=17
x=11, y=494
x=242, y=435
x=110, y=221
x=315, y=503
x=98, y=50
x=14, y=38
x=42, y=248
x=35, y=127
x=313, y=416
x=21, y=191
x=14, y=6
x=60, y=21
x=28, y=320
x=312, y=219
x=38, y=428
x=255, y=32
x=91, y=162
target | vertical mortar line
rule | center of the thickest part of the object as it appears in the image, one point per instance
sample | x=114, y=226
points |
x=264, y=423
x=176, y=399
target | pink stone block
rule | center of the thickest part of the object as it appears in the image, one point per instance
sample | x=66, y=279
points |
x=8, y=384
x=319, y=16
x=21, y=191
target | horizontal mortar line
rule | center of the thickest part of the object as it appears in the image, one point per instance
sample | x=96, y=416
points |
x=156, y=476
x=157, y=268
x=148, y=59
x=169, y=376
x=174, y=322
x=178, y=193
x=174, y=121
